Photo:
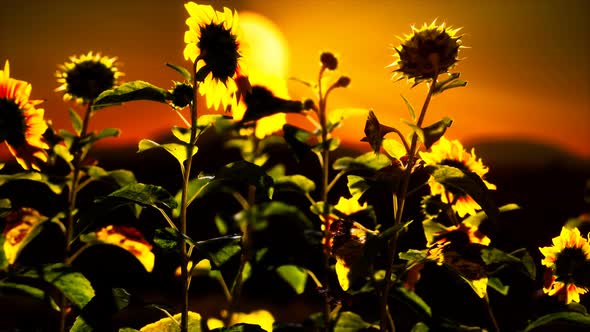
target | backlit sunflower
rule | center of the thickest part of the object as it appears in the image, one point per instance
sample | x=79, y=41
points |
x=131, y=240
x=213, y=40
x=18, y=230
x=427, y=52
x=459, y=247
x=21, y=124
x=451, y=153
x=86, y=76
x=267, y=125
x=568, y=262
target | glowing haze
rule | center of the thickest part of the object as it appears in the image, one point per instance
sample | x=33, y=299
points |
x=528, y=64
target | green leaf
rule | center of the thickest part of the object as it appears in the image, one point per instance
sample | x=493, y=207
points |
x=350, y=322
x=259, y=215
x=412, y=299
x=107, y=132
x=218, y=250
x=357, y=185
x=183, y=71
x=367, y=161
x=420, y=327
x=394, y=148
x=417, y=130
x=132, y=91
x=243, y=172
x=476, y=219
x=294, y=182
x=7, y=288
x=182, y=134
x=297, y=139
x=572, y=319
x=435, y=131
x=333, y=144
x=145, y=195
x=197, y=187
x=498, y=285
x=73, y=285
x=76, y=121
x=44, y=179
x=5, y=207
x=467, y=182
x=167, y=239
x=242, y=327
x=410, y=108
x=63, y=152
x=431, y=228
x=172, y=324
x=295, y=276
x=451, y=82
x=176, y=150
x=121, y=177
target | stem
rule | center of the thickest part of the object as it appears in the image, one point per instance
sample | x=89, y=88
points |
x=491, y=313
x=72, y=197
x=398, y=216
x=325, y=190
x=184, y=205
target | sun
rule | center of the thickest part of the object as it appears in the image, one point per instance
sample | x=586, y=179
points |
x=268, y=51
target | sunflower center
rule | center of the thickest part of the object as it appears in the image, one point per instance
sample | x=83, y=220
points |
x=571, y=266
x=88, y=79
x=12, y=123
x=219, y=50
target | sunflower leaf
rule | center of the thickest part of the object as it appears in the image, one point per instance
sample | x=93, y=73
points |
x=394, y=148
x=350, y=322
x=295, y=182
x=176, y=150
x=183, y=71
x=368, y=161
x=295, y=276
x=466, y=182
x=131, y=91
x=410, y=108
x=297, y=138
x=561, y=320
x=171, y=324
x=435, y=131
x=33, y=292
x=76, y=121
x=145, y=195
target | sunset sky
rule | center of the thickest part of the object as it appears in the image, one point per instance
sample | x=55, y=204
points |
x=528, y=62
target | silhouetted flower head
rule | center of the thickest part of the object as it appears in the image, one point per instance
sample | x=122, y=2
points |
x=329, y=60
x=451, y=153
x=131, y=240
x=568, y=262
x=19, y=225
x=182, y=95
x=21, y=124
x=427, y=52
x=213, y=40
x=86, y=76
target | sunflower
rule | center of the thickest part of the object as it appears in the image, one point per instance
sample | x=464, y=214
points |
x=459, y=247
x=451, y=153
x=267, y=125
x=568, y=262
x=426, y=52
x=131, y=240
x=18, y=230
x=86, y=76
x=21, y=124
x=213, y=40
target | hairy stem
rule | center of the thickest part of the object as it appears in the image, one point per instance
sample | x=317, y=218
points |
x=401, y=200
x=184, y=205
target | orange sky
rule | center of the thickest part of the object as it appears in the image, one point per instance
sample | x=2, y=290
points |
x=528, y=65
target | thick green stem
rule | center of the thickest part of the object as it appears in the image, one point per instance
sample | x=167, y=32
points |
x=184, y=205
x=72, y=198
x=402, y=194
x=325, y=190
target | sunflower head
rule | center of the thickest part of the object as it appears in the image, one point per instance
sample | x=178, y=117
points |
x=452, y=153
x=182, y=95
x=213, y=42
x=568, y=261
x=129, y=239
x=427, y=52
x=86, y=76
x=21, y=123
x=19, y=225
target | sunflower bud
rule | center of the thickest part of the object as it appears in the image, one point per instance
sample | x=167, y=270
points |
x=427, y=52
x=308, y=104
x=329, y=60
x=182, y=95
x=342, y=82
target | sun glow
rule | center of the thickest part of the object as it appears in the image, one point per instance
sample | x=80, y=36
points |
x=267, y=46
